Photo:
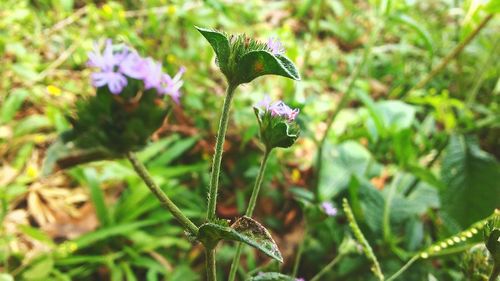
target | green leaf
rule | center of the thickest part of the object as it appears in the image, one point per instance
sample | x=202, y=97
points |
x=12, y=104
x=62, y=155
x=40, y=269
x=419, y=28
x=340, y=163
x=6, y=277
x=244, y=230
x=271, y=276
x=258, y=63
x=219, y=43
x=97, y=196
x=471, y=179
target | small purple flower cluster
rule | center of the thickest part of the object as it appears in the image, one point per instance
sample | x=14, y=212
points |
x=329, y=209
x=278, y=108
x=275, y=45
x=116, y=65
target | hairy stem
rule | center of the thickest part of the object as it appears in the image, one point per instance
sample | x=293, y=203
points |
x=451, y=55
x=165, y=201
x=210, y=264
x=327, y=268
x=219, y=145
x=249, y=211
x=343, y=101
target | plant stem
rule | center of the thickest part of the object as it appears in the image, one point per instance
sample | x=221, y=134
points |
x=404, y=268
x=327, y=268
x=249, y=211
x=343, y=101
x=165, y=201
x=495, y=272
x=300, y=250
x=455, y=52
x=219, y=147
x=210, y=264
x=314, y=33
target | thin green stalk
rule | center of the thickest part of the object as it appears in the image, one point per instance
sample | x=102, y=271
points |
x=210, y=265
x=300, y=250
x=494, y=273
x=451, y=55
x=314, y=32
x=249, y=211
x=219, y=144
x=164, y=199
x=327, y=268
x=404, y=268
x=343, y=101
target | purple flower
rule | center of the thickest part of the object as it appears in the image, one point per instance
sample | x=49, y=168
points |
x=329, y=209
x=172, y=85
x=115, y=81
x=278, y=108
x=275, y=45
x=107, y=62
x=153, y=75
x=300, y=279
x=134, y=66
x=115, y=66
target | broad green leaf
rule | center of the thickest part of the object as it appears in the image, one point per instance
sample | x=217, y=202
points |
x=258, y=63
x=36, y=233
x=12, y=104
x=271, y=276
x=471, y=178
x=245, y=230
x=219, y=43
x=340, y=163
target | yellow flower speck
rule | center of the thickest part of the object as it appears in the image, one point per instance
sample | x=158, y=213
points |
x=54, y=90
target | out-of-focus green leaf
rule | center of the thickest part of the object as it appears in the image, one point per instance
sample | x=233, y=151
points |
x=12, y=104
x=97, y=196
x=340, y=163
x=39, y=270
x=470, y=176
x=418, y=27
x=6, y=277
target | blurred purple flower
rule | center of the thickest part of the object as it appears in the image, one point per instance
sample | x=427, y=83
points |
x=107, y=62
x=134, y=66
x=116, y=66
x=275, y=45
x=300, y=279
x=153, y=76
x=329, y=209
x=172, y=85
x=115, y=81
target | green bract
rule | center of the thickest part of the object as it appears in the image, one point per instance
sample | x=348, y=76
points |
x=276, y=131
x=108, y=126
x=244, y=230
x=243, y=59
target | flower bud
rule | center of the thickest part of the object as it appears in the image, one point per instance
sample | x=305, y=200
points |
x=277, y=123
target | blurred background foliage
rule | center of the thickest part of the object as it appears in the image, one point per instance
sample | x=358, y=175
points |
x=417, y=164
